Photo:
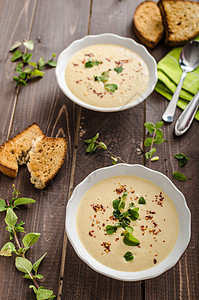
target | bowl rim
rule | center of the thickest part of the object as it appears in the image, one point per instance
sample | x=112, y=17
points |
x=155, y=271
x=93, y=39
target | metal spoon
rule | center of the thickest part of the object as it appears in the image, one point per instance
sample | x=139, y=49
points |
x=184, y=121
x=188, y=60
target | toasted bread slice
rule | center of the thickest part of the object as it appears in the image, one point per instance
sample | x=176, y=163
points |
x=181, y=20
x=147, y=24
x=46, y=158
x=16, y=150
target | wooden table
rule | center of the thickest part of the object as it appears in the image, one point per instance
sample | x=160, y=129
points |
x=53, y=25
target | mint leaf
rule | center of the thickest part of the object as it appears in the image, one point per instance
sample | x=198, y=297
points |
x=104, y=77
x=130, y=240
x=147, y=142
x=128, y=256
x=29, y=239
x=102, y=145
x=116, y=203
x=37, y=73
x=33, y=64
x=20, y=81
x=110, y=229
x=23, y=201
x=118, y=69
x=19, y=67
x=37, y=263
x=182, y=159
x=26, y=58
x=11, y=217
x=2, y=205
x=7, y=249
x=29, y=45
x=179, y=176
x=43, y=294
x=133, y=213
x=23, y=265
x=129, y=229
x=52, y=63
x=41, y=63
x=15, y=46
x=91, y=63
x=159, y=132
x=141, y=200
x=150, y=126
x=158, y=140
x=159, y=124
x=111, y=87
x=16, y=55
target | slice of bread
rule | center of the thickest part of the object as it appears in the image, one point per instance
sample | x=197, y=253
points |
x=43, y=155
x=46, y=158
x=16, y=150
x=181, y=20
x=147, y=24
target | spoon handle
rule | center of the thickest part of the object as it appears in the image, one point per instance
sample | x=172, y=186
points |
x=184, y=121
x=171, y=108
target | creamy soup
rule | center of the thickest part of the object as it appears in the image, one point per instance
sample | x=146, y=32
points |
x=156, y=228
x=106, y=75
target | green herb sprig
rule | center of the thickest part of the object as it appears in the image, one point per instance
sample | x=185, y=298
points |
x=156, y=138
x=91, y=63
x=182, y=158
x=93, y=144
x=26, y=68
x=21, y=262
x=124, y=219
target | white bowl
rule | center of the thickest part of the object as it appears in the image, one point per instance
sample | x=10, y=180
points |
x=106, y=38
x=157, y=178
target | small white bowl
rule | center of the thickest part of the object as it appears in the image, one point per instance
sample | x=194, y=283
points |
x=106, y=38
x=157, y=178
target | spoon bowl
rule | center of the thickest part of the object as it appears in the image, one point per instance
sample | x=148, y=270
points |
x=188, y=61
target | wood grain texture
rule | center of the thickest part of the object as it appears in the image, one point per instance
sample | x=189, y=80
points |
x=55, y=26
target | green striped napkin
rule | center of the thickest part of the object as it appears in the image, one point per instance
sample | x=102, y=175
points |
x=169, y=73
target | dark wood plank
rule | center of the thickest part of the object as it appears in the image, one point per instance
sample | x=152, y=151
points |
x=55, y=26
x=123, y=134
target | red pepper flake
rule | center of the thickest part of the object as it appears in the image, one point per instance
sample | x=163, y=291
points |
x=97, y=222
x=106, y=246
x=112, y=218
x=164, y=241
x=78, y=81
x=120, y=190
x=92, y=224
x=95, y=216
x=90, y=232
x=155, y=261
x=151, y=245
x=89, y=54
x=103, y=224
x=108, y=59
x=117, y=239
x=75, y=65
x=155, y=224
x=97, y=207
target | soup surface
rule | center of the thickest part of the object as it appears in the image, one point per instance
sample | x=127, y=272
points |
x=156, y=227
x=106, y=75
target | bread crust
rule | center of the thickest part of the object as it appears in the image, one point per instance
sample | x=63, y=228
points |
x=180, y=19
x=147, y=24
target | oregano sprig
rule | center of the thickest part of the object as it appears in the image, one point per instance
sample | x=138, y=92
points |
x=21, y=262
x=93, y=144
x=26, y=68
x=157, y=137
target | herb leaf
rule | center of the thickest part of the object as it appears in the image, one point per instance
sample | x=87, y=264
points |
x=141, y=200
x=2, y=205
x=23, y=265
x=41, y=63
x=52, y=63
x=104, y=77
x=110, y=229
x=147, y=142
x=130, y=240
x=11, y=217
x=133, y=213
x=128, y=256
x=179, y=176
x=111, y=87
x=159, y=124
x=37, y=263
x=182, y=159
x=22, y=201
x=29, y=45
x=7, y=249
x=29, y=239
x=118, y=69
x=91, y=63
x=150, y=126
x=26, y=58
x=16, y=55
x=15, y=46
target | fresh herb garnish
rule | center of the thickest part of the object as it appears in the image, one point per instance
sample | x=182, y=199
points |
x=141, y=200
x=179, y=176
x=128, y=256
x=104, y=77
x=91, y=63
x=157, y=138
x=182, y=159
x=21, y=262
x=111, y=87
x=118, y=69
x=93, y=144
x=26, y=68
x=124, y=219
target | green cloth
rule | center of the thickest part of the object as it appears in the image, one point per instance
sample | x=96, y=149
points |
x=169, y=73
